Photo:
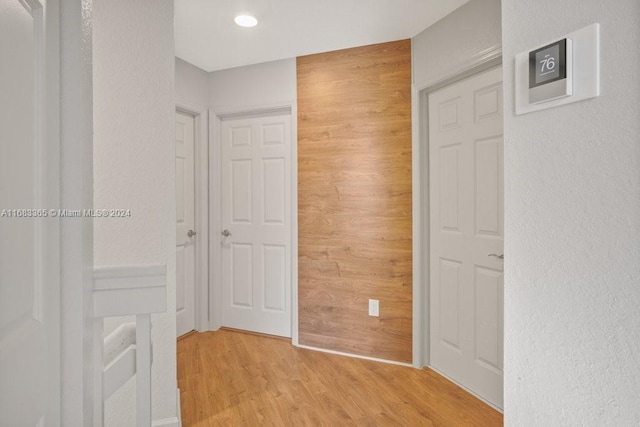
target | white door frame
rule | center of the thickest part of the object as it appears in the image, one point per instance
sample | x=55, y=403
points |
x=81, y=379
x=485, y=60
x=70, y=124
x=201, y=210
x=215, y=205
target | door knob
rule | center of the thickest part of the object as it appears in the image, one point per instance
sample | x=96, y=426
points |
x=191, y=233
x=501, y=256
x=226, y=233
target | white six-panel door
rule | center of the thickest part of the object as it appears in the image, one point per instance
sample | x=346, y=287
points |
x=256, y=200
x=29, y=239
x=185, y=222
x=466, y=216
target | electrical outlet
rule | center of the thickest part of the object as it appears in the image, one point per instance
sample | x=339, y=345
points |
x=374, y=308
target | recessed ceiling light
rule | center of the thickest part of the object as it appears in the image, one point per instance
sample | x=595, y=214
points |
x=246, y=21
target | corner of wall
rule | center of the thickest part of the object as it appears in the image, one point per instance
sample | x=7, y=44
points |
x=134, y=159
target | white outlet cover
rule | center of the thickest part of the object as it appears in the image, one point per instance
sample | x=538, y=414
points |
x=586, y=71
x=374, y=307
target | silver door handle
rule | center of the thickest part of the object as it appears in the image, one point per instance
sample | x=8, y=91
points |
x=501, y=256
x=191, y=233
x=226, y=233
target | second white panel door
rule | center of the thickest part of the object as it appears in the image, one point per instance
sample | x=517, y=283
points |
x=256, y=224
x=185, y=224
x=466, y=210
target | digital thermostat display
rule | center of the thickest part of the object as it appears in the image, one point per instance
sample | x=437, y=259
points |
x=550, y=69
x=558, y=71
x=548, y=63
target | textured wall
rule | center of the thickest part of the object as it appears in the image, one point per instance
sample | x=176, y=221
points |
x=192, y=85
x=354, y=200
x=257, y=85
x=134, y=168
x=572, y=228
x=455, y=40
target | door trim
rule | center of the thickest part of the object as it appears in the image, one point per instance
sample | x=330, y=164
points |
x=201, y=211
x=68, y=86
x=478, y=63
x=215, y=204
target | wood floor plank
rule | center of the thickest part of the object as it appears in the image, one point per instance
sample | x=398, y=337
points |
x=231, y=378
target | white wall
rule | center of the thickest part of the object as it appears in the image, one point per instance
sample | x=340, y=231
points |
x=134, y=160
x=253, y=86
x=572, y=227
x=455, y=40
x=192, y=86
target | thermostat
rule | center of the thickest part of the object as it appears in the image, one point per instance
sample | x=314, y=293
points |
x=550, y=72
x=558, y=72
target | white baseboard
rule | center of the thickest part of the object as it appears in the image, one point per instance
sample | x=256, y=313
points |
x=356, y=356
x=167, y=422
x=173, y=421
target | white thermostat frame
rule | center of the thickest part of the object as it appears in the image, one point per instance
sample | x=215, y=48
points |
x=585, y=71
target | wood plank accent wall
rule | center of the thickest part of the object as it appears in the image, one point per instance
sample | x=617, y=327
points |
x=354, y=200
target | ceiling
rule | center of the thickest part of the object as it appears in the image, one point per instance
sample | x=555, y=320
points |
x=206, y=36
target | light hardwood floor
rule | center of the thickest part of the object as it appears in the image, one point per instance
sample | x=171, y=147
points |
x=231, y=378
